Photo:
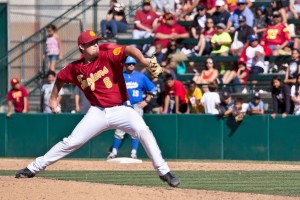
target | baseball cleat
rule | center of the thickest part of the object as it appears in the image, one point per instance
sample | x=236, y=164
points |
x=111, y=156
x=24, y=173
x=133, y=156
x=171, y=179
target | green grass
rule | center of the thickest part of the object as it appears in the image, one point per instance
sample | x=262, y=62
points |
x=285, y=183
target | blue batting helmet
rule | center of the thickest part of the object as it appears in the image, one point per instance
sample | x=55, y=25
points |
x=130, y=60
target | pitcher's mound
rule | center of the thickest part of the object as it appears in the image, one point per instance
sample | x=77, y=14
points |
x=124, y=160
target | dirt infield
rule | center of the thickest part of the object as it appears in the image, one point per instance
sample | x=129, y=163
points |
x=39, y=188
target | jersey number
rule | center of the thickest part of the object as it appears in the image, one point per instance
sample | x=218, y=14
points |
x=135, y=93
x=272, y=33
x=107, y=82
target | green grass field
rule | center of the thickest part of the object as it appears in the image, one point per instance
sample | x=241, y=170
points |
x=285, y=183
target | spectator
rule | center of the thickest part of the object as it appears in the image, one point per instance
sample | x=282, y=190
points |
x=208, y=76
x=226, y=104
x=115, y=20
x=241, y=10
x=163, y=6
x=200, y=18
x=239, y=109
x=211, y=100
x=276, y=36
x=221, y=15
x=145, y=22
x=261, y=21
x=237, y=76
x=46, y=92
x=194, y=96
x=17, y=97
x=254, y=54
x=221, y=41
x=175, y=99
x=276, y=5
x=190, y=9
x=241, y=36
x=281, y=97
x=137, y=85
x=168, y=30
x=204, y=46
x=156, y=103
x=294, y=7
x=82, y=105
x=295, y=95
x=53, y=47
x=184, y=6
x=256, y=106
x=293, y=68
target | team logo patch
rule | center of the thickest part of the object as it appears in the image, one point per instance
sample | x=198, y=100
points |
x=92, y=33
x=117, y=51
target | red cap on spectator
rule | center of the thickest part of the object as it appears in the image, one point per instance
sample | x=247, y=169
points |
x=14, y=81
x=87, y=36
x=168, y=16
x=241, y=60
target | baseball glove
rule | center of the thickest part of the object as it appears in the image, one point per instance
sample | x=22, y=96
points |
x=154, y=68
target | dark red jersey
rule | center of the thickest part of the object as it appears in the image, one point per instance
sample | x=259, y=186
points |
x=16, y=96
x=102, y=80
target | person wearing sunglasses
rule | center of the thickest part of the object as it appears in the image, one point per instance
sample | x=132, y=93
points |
x=137, y=85
x=242, y=9
x=277, y=36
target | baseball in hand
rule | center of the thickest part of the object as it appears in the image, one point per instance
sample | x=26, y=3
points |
x=58, y=109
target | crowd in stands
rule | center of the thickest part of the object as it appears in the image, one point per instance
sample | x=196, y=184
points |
x=221, y=28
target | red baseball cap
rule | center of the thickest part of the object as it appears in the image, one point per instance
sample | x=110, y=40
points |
x=241, y=60
x=87, y=36
x=14, y=81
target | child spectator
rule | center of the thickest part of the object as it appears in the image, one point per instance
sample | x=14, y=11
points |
x=17, y=97
x=46, y=92
x=256, y=106
x=175, y=99
x=295, y=95
x=211, y=100
x=194, y=96
x=293, y=68
x=237, y=76
x=82, y=105
x=254, y=55
x=221, y=41
x=239, y=109
x=115, y=20
x=281, y=97
x=53, y=47
x=226, y=105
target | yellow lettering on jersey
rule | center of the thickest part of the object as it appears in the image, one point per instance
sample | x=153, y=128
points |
x=117, y=51
x=17, y=95
x=90, y=81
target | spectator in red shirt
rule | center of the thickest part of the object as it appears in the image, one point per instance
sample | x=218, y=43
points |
x=277, y=35
x=17, y=97
x=145, y=21
x=168, y=30
x=175, y=100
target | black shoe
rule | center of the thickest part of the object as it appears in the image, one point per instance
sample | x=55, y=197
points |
x=25, y=173
x=171, y=179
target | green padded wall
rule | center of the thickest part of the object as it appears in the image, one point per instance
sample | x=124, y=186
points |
x=247, y=140
x=2, y=135
x=26, y=135
x=285, y=138
x=199, y=137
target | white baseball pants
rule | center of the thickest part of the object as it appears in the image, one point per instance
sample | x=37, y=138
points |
x=95, y=122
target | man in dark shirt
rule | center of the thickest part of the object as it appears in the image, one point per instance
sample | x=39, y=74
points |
x=226, y=105
x=241, y=36
x=221, y=15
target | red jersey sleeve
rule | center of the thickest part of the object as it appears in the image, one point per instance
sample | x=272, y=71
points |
x=9, y=96
x=137, y=16
x=267, y=50
x=65, y=75
x=286, y=33
x=117, y=55
x=180, y=29
x=178, y=89
x=243, y=54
